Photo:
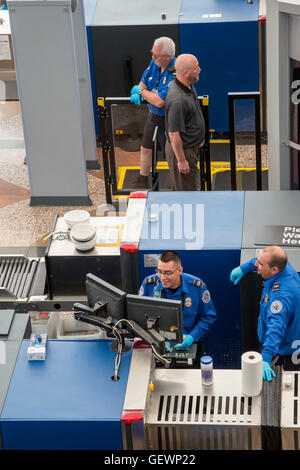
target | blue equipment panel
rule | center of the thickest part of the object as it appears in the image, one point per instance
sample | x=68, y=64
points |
x=67, y=401
x=205, y=228
x=193, y=220
x=229, y=11
x=223, y=35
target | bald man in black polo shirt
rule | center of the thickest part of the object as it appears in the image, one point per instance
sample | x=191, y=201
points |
x=185, y=126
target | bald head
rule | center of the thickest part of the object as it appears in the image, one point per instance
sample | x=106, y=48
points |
x=278, y=257
x=187, y=69
x=184, y=62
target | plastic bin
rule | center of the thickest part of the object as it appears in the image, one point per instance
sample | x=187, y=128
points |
x=69, y=328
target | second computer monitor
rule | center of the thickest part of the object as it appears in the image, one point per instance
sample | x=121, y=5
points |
x=166, y=313
x=98, y=290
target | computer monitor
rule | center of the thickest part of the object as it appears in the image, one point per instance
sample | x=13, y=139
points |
x=162, y=315
x=98, y=290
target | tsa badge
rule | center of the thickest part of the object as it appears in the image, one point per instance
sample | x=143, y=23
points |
x=206, y=296
x=267, y=298
x=188, y=302
x=276, y=306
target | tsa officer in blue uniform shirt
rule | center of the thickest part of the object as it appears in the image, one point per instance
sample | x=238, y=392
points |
x=170, y=282
x=153, y=88
x=278, y=325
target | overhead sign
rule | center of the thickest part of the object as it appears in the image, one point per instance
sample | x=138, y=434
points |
x=282, y=235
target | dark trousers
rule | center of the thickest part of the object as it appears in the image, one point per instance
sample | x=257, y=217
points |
x=180, y=181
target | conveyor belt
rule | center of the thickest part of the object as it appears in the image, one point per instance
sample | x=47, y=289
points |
x=16, y=276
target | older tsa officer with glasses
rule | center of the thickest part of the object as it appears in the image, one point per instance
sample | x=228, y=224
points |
x=153, y=87
x=170, y=282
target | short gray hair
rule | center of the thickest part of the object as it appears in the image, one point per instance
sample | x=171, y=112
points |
x=167, y=45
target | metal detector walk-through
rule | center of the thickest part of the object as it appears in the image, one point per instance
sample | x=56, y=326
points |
x=121, y=126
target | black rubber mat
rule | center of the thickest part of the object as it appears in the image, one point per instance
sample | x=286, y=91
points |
x=246, y=180
x=220, y=152
x=132, y=174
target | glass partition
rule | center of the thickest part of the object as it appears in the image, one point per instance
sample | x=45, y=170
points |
x=248, y=154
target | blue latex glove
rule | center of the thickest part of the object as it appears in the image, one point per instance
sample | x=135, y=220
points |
x=268, y=371
x=136, y=99
x=135, y=90
x=186, y=343
x=236, y=275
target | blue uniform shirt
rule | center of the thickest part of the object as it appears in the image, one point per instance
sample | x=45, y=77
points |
x=279, y=318
x=158, y=82
x=198, y=311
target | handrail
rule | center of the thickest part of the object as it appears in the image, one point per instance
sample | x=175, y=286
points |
x=292, y=144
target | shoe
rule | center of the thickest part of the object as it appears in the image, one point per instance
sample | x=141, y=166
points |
x=141, y=182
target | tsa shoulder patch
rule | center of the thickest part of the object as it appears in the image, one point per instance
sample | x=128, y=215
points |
x=205, y=297
x=276, y=286
x=172, y=70
x=150, y=280
x=198, y=283
x=276, y=306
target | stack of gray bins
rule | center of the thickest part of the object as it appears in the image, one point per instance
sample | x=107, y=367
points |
x=270, y=411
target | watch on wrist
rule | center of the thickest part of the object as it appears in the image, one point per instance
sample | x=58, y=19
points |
x=141, y=91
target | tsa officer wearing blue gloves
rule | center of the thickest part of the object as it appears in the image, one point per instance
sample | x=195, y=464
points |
x=170, y=282
x=153, y=87
x=279, y=317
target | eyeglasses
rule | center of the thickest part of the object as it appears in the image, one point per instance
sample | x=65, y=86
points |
x=166, y=273
x=157, y=56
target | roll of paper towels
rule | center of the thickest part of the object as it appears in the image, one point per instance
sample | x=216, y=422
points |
x=252, y=373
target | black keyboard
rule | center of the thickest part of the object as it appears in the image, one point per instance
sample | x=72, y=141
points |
x=183, y=355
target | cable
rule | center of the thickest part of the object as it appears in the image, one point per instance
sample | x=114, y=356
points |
x=118, y=337
x=158, y=356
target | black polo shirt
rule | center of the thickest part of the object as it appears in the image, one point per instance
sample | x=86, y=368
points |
x=184, y=114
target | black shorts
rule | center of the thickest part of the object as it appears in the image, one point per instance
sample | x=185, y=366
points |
x=152, y=121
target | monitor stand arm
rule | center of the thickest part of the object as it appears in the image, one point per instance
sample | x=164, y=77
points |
x=150, y=336
x=90, y=315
